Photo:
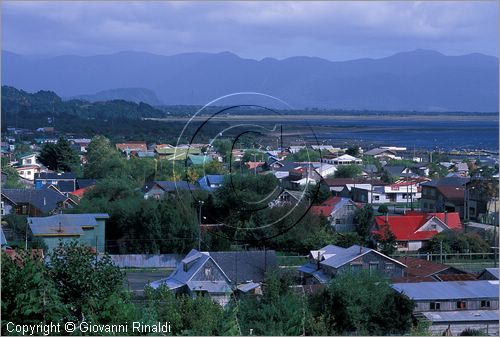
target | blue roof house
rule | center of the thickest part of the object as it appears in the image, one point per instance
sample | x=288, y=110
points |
x=88, y=229
x=211, y=182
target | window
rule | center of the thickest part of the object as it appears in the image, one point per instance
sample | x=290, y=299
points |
x=21, y=172
x=349, y=207
x=208, y=272
x=376, y=197
x=338, y=221
x=373, y=266
x=389, y=266
x=28, y=173
x=485, y=304
x=461, y=305
x=403, y=244
x=435, y=306
x=28, y=161
x=24, y=209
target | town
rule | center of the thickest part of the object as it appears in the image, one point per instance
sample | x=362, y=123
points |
x=225, y=223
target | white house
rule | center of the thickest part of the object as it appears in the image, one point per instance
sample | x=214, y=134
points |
x=345, y=160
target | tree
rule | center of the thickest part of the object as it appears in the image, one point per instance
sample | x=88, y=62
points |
x=360, y=303
x=348, y=171
x=353, y=151
x=387, y=178
x=457, y=242
x=280, y=311
x=60, y=156
x=317, y=194
x=386, y=240
x=13, y=177
x=104, y=161
x=83, y=280
x=29, y=295
x=363, y=217
x=383, y=209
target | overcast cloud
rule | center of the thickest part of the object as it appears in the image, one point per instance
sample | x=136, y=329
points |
x=332, y=30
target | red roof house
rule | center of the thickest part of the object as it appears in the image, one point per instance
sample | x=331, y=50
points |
x=339, y=211
x=413, y=229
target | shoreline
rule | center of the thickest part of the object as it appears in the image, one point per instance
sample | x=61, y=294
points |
x=267, y=118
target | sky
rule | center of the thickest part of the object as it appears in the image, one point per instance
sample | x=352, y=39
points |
x=331, y=30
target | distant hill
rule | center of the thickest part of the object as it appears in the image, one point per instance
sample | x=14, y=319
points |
x=419, y=80
x=45, y=102
x=136, y=95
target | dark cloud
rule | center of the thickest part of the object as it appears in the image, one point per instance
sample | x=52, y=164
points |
x=333, y=30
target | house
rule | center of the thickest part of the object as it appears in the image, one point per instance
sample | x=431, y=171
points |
x=339, y=212
x=219, y=274
x=131, y=146
x=456, y=305
x=198, y=159
x=301, y=176
x=369, y=170
x=398, y=192
x=29, y=160
x=382, y=153
x=28, y=172
x=65, y=182
x=399, y=171
x=479, y=202
x=295, y=148
x=281, y=168
x=327, y=262
x=34, y=202
x=88, y=229
x=288, y=197
x=345, y=159
x=445, y=194
x=324, y=169
x=80, y=145
x=211, y=182
x=422, y=270
x=489, y=274
x=414, y=229
x=161, y=189
x=344, y=186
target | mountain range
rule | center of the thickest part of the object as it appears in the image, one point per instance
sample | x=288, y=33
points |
x=419, y=80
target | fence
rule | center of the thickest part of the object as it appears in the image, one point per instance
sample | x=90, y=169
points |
x=146, y=260
x=471, y=262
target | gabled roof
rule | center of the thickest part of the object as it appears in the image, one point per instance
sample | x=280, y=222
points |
x=210, y=179
x=199, y=159
x=492, y=271
x=377, y=151
x=335, y=256
x=406, y=227
x=346, y=157
x=45, y=200
x=236, y=267
x=244, y=266
x=422, y=268
x=452, y=290
x=447, y=181
x=330, y=205
x=169, y=186
x=63, y=224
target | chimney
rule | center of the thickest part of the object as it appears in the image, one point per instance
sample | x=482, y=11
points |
x=318, y=261
x=44, y=201
x=446, y=217
x=360, y=250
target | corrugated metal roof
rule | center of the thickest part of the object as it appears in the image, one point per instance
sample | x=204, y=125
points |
x=493, y=271
x=462, y=316
x=63, y=224
x=448, y=290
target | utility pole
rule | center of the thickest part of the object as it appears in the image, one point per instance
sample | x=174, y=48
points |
x=200, y=202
